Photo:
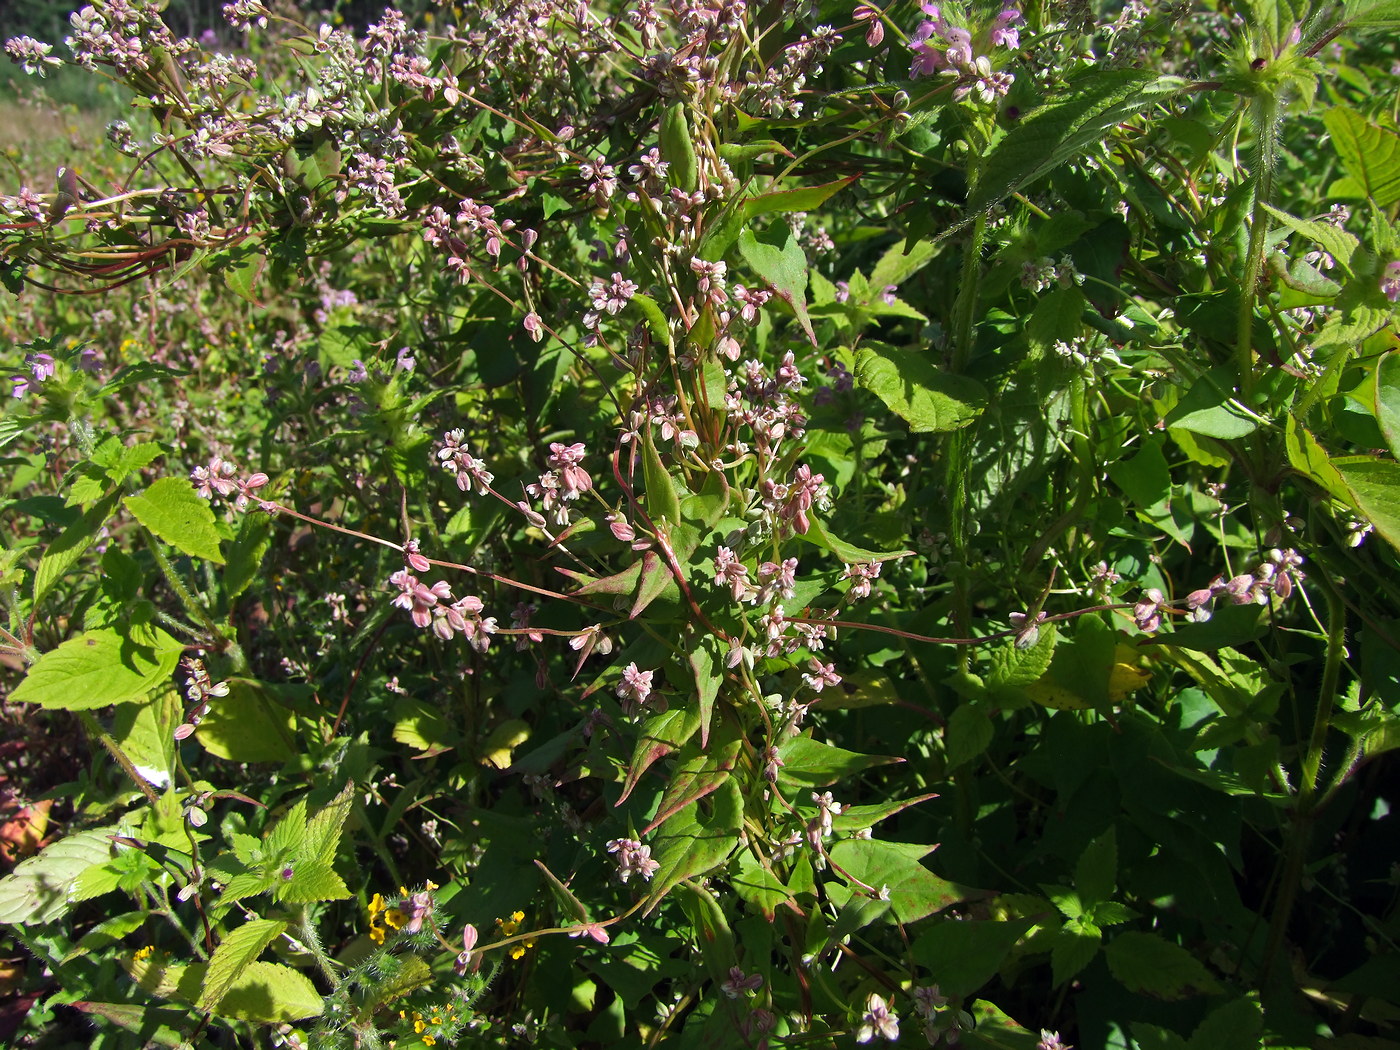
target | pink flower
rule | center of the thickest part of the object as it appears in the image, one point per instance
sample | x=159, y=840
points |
x=635, y=687
x=633, y=859
x=573, y=479
x=418, y=598
x=467, y=959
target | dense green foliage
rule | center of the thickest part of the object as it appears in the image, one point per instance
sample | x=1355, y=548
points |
x=708, y=525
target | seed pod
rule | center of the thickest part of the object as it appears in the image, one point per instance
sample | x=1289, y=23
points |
x=677, y=149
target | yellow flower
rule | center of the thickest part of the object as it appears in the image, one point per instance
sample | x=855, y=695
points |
x=143, y=953
x=511, y=925
x=383, y=918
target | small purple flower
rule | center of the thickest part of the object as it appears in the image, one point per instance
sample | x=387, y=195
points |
x=879, y=1020
x=740, y=984
x=1390, y=281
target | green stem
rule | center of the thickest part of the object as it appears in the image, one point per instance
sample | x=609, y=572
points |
x=306, y=933
x=195, y=610
x=1266, y=117
x=1304, y=809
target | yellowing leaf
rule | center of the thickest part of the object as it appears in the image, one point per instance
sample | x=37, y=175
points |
x=501, y=744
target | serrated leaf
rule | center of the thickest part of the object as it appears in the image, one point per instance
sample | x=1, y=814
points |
x=154, y=1026
x=107, y=933
x=1237, y=1025
x=1148, y=964
x=245, y=554
x=248, y=725
x=1072, y=949
x=1064, y=129
x=1334, y=240
x=913, y=388
x=1096, y=872
x=897, y=265
x=270, y=993
x=172, y=510
x=72, y=543
x=312, y=881
x=99, y=668
x=233, y=956
x=40, y=889
x=323, y=830
x=1013, y=666
x=968, y=733
x=1370, y=155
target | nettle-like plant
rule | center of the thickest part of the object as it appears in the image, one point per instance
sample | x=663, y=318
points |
x=562, y=507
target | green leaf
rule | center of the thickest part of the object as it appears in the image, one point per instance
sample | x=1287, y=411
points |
x=1387, y=400
x=1073, y=948
x=655, y=580
x=914, y=891
x=808, y=763
x=172, y=510
x=233, y=955
x=698, y=773
x=862, y=818
x=154, y=1026
x=1147, y=963
x=913, y=388
x=40, y=889
x=1145, y=478
x=1334, y=240
x=72, y=543
x=897, y=265
x=1063, y=130
x=758, y=887
x=968, y=734
x=1370, y=156
x=323, y=830
x=99, y=668
x=659, y=736
x=244, y=269
x=1012, y=666
x=107, y=933
x=1374, y=485
x=245, y=554
x=704, y=665
x=662, y=501
x=962, y=955
x=1373, y=14
x=1058, y=317
x=694, y=842
x=270, y=993
x=312, y=881
x=1096, y=873
x=248, y=725
x=145, y=733
x=1210, y=408
x=1311, y=460
x=784, y=267
x=1237, y=1025
x=677, y=149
